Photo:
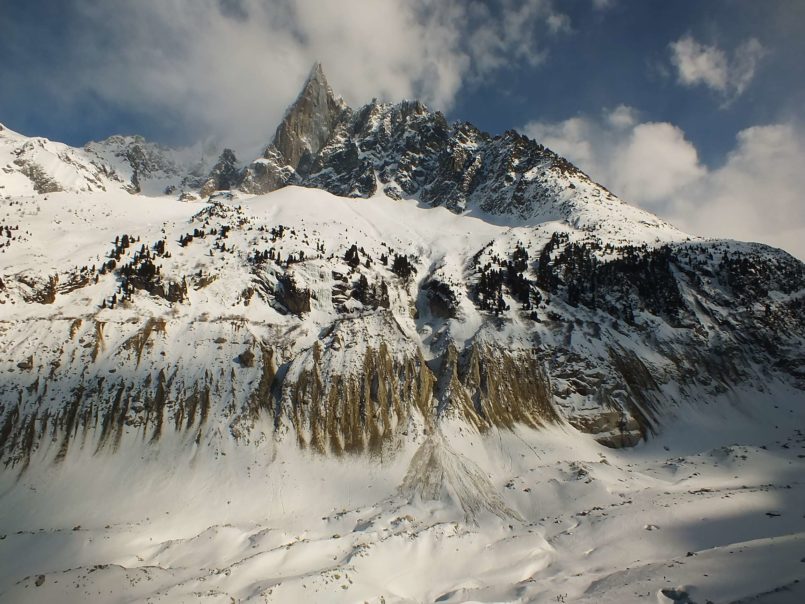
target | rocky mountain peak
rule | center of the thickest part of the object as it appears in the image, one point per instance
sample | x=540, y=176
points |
x=309, y=121
x=224, y=174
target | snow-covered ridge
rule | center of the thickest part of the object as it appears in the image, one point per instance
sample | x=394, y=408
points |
x=153, y=169
x=37, y=166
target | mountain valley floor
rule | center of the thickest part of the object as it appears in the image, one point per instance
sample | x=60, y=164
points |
x=713, y=509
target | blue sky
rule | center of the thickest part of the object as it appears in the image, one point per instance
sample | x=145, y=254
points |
x=621, y=56
x=670, y=104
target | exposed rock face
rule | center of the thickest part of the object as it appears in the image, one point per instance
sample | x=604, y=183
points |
x=362, y=409
x=125, y=386
x=267, y=174
x=39, y=178
x=291, y=296
x=223, y=176
x=362, y=383
x=416, y=152
x=336, y=398
x=307, y=126
x=309, y=122
x=506, y=388
x=442, y=300
x=142, y=160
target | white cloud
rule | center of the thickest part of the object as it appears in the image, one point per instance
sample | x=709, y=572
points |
x=622, y=116
x=644, y=162
x=700, y=64
x=757, y=194
x=654, y=162
x=558, y=23
x=575, y=138
x=745, y=61
x=232, y=66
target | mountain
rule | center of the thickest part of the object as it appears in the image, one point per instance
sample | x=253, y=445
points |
x=380, y=287
x=407, y=151
x=538, y=297
x=127, y=163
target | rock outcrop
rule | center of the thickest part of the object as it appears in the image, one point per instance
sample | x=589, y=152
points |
x=306, y=127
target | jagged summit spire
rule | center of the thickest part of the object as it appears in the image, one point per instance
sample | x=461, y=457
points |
x=309, y=121
x=317, y=75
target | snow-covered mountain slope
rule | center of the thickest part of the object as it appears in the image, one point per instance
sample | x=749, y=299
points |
x=340, y=321
x=38, y=166
x=33, y=166
x=153, y=169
